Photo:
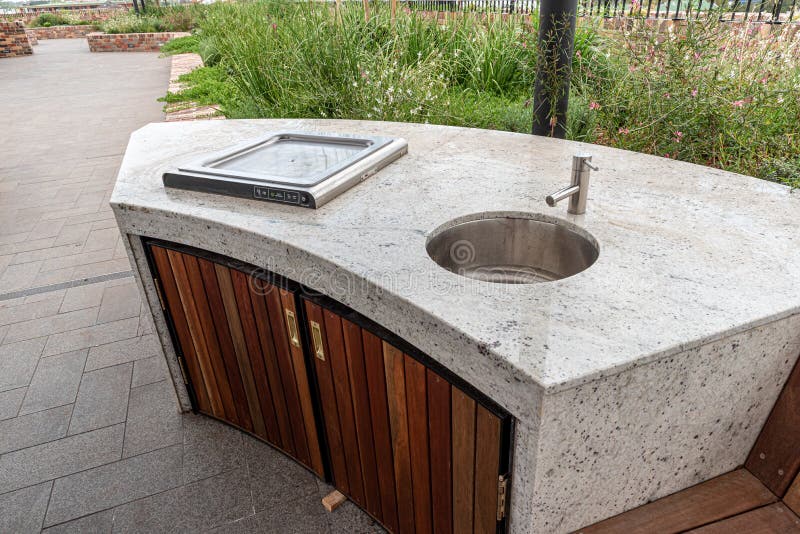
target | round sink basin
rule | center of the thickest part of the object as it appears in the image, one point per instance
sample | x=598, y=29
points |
x=519, y=249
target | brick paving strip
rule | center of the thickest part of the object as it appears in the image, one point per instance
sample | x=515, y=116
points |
x=90, y=437
x=187, y=111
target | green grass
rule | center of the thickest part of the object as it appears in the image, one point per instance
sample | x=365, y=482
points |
x=181, y=45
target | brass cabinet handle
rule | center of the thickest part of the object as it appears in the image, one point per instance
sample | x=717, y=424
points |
x=291, y=321
x=316, y=336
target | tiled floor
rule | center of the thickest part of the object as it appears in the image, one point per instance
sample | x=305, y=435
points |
x=90, y=439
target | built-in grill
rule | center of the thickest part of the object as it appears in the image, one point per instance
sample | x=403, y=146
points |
x=300, y=168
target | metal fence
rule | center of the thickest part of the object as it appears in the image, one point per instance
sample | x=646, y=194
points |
x=768, y=11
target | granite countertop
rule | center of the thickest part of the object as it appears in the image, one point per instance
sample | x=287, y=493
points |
x=688, y=254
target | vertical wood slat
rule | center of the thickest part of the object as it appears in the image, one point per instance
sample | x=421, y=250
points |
x=463, y=431
x=181, y=326
x=329, y=409
x=187, y=303
x=441, y=450
x=209, y=276
x=393, y=361
x=304, y=392
x=379, y=414
x=344, y=403
x=277, y=317
x=206, y=326
x=240, y=347
x=775, y=457
x=361, y=408
x=487, y=467
x=250, y=329
x=270, y=339
x=416, y=398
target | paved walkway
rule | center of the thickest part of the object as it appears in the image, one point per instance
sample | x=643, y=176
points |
x=90, y=440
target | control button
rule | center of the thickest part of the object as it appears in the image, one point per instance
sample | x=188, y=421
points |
x=304, y=198
x=292, y=197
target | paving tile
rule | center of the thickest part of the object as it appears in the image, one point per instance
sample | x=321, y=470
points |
x=78, y=298
x=348, y=518
x=301, y=516
x=153, y=419
x=99, y=523
x=104, y=267
x=33, y=429
x=55, y=382
x=127, y=350
x=45, y=253
x=119, y=302
x=192, y=508
x=16, y=277
x=274, y=476
x=114, y=484
x=102, y=398
x=59, y=458
x=75, y=260
x=210, y=447
x=63, y=322
x=22, y=511
x=149, y=370
x=74, y=234
x=10, y=402
x=18, y=362
x=91, y=336
x=101, y=239
x=44, y=229
x=29, y=311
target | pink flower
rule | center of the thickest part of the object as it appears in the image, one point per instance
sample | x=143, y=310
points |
x=623, y=131
x=578, y=54
x=764, y=80
x=694, y=92
x=274, y=26
x=678, y=136
x=594, y=105
x=666, y=155
x=738, y=103
x=632, y=68
x=697, y=55
x=667, y=96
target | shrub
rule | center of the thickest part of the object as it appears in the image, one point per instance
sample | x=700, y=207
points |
x=708, y=93
x=45, y=20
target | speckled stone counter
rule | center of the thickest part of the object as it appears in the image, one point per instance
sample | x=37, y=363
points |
x=650, y=371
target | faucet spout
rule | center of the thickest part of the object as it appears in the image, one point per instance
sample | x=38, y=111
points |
x=578, y=190
x=561, y=194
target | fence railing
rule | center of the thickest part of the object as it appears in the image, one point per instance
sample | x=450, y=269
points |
x=768, y=11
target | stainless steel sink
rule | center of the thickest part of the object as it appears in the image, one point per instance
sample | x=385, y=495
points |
x=522, y=249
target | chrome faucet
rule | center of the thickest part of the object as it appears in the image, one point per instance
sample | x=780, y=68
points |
x=578, y=189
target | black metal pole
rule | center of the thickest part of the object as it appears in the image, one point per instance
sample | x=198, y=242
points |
x=556, y=45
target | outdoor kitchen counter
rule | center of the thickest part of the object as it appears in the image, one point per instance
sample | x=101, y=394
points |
x=698, y=276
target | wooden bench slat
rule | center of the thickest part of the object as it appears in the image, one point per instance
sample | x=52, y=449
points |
x=792, y=497
x=775, y=518
x=775, y=458
x=716, y=499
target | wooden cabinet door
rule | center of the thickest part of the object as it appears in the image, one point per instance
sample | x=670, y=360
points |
x=409, y=447
x=238, y=336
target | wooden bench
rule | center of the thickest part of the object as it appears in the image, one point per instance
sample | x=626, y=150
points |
x=763, y=496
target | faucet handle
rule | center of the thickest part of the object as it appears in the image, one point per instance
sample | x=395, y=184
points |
x=593, y=167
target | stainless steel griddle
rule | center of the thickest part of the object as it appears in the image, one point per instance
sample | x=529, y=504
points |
x=300, y=168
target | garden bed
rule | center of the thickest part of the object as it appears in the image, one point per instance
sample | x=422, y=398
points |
x=129, y=42
x=61, y=32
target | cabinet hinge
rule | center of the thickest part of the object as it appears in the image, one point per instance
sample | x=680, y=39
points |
x=157, y=284
x=502, y=487
x=184, y=375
